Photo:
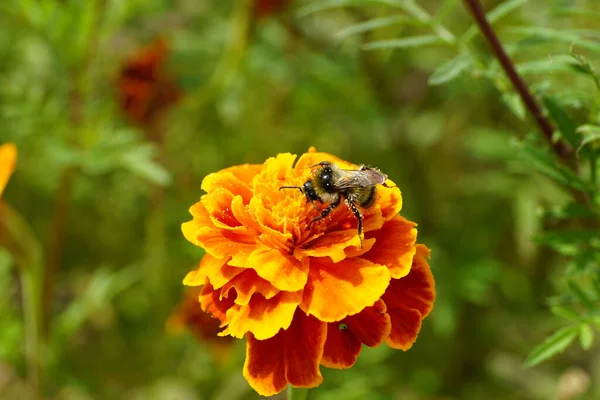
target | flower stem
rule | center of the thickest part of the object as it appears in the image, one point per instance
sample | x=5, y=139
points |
x=560, y=148
x=297, y=393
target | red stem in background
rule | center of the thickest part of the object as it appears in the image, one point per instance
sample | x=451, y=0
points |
x=560, y=148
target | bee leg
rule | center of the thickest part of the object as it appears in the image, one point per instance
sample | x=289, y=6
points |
x=325, y=212
x=389, y=187
x=358, y=216
x=313, y=204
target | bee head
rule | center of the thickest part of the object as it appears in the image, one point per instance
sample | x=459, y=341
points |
x=324, y=176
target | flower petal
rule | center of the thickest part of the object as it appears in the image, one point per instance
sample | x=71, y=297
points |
x=246, y=284
x=342, y=347
x=336, y=245
x=8, y=160
x=236, y=179
x=372, y=325
x=262, y=317
x=292, y=356
x=211, y=302
x=334, y=291
x=406, y=324
x=409, y=300
x=394, y=246
x=283, y=271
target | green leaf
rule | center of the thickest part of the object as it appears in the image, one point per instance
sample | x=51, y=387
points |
x=322, y=5
x=499, y=12
x=591, y=133
x=566, y=126
x=370, y=25
x=583, y=297
x=547, y=165
x=566, y=313
x=450, y=70
x=547, y=65
x=569, y=37
x=407, y=42
x=553, y=345
x=586, y=336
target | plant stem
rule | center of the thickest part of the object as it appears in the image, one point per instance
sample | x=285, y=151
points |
x=560, y=148
x=30, y=292
x=296, y=393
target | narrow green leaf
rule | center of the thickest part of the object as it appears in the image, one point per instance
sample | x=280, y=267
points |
x=450, y=70
x=574, y=12
x=586, y=336
x=407, y=42
x=322, y=5
x=499, y=12
x=565, y=312
x=564, y=36
x=583, y=297
x=547, y=65
x=370, y=25
x=547, y=165
x=591, y=133
x=553, y=345
x=566, y=126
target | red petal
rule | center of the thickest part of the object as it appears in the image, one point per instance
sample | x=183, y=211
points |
x=406, y=324
x=211, y=302
x=372, y=325
x=409, y=300
x=394, y=246
x=292, y=356
x=342, y=347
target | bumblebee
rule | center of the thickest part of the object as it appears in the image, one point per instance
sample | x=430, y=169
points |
x=330, y=184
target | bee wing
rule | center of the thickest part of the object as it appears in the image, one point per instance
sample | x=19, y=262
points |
x=357, y=178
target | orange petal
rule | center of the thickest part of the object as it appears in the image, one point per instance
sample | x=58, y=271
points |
x=237, y=180
x=409, y=300
x=208, y=265
x=292, y=356
x=262, y=317
x=8, y=160
x=372, y=325
x=390, y=200
x=336, y=245
x=211, y=302
x=406, y=324
x=283, y=271
x=342, y=347
x=334, y=291
x=246, y=284
x=218, y=205
x=394, y=246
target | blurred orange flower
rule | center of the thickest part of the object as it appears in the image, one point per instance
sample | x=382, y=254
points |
x=145, y=89
x=8, y=160
x=304, y=296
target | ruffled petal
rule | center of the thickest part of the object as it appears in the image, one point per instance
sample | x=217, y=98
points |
x=246, y=284
x=335, y=245
x=262, y=317
x=372, y=325
x=342, y=347
x=409, y=300
x=211, y=302
x=394, y=246
x=8, y=160
x=236, y=179
x=334, y=291
x=292, y=356
x=283, y=271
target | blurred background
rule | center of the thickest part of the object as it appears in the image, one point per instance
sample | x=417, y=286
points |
x=119, y=108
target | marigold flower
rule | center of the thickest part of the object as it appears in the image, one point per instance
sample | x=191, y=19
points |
x=8, y=160
x=304, y=297
x=145, y=89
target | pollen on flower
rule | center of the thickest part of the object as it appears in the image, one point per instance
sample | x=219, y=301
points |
x=305, y=294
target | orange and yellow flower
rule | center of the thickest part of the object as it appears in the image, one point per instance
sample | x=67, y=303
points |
x=304, y=297
x=8, y=160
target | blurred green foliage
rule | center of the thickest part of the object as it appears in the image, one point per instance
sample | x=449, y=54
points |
x=407, y=86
